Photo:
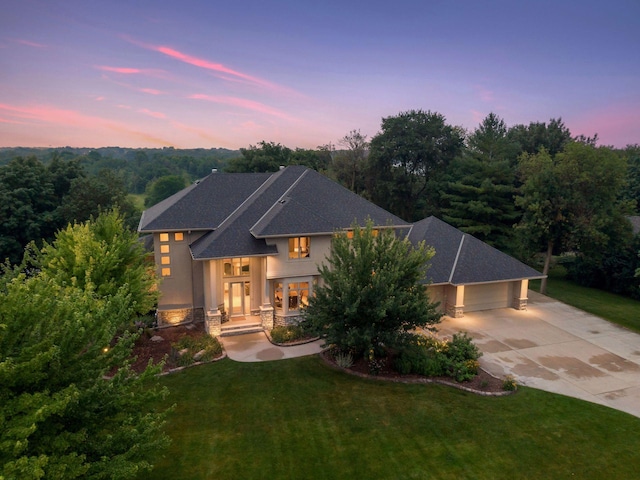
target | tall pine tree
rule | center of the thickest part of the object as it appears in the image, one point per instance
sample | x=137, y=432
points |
x=480, y=200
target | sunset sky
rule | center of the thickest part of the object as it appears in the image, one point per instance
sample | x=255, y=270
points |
x=212, y=73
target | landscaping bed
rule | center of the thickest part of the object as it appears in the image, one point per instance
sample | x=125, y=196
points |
x=167, y=343
x=483, y=383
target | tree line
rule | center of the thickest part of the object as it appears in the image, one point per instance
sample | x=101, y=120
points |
x=525, y=189
x=534, y=191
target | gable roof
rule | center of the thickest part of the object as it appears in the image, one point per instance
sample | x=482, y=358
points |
x=242, y=210
x=462, y=259
x=203, y=205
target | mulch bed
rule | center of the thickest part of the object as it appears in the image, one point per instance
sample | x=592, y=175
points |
x=145, y=349
x=483, y=384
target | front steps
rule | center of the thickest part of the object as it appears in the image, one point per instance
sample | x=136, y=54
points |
x=228, y=329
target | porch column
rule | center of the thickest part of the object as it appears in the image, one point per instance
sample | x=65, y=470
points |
x=455, y=301
x=520, y=294
x=266, y=309
x=213, y=316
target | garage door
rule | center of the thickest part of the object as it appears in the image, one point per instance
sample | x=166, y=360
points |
x=487, y=297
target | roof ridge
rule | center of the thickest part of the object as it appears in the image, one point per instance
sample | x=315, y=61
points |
x=280, y=199
x=243, y=206
x=455, y=262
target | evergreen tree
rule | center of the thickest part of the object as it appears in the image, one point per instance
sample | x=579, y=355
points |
x=481, y=199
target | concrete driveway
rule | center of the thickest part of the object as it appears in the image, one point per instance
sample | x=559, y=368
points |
x=558, y=348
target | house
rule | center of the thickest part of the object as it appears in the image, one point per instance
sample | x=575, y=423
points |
x=237, y=245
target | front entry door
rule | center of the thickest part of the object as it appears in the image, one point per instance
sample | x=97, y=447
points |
x=238, y=298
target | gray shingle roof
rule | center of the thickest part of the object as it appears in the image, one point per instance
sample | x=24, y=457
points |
x=315, y=204
x=243, y=209
x=202, y=205
x=462, y=259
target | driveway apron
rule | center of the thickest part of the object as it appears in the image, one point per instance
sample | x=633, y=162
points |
x=558, y=348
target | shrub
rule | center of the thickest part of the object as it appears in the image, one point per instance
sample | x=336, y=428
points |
x=421, y=358
x=509, y=383
x=289, y=333
x=210, y=345
x=462, y=357
x=343, y=359
x=426, y=355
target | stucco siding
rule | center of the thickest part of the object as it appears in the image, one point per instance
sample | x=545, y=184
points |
x=280, y=266
x=437, y=294
x=184, y=286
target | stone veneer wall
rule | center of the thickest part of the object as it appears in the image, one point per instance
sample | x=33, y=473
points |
x=285, y=321
x=180, y=315
x=454, y=311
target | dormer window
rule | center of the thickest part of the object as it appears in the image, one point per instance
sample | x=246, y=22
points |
x=299, y=247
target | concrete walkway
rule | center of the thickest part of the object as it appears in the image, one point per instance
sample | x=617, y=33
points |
x=558, y=348
x=255, y=347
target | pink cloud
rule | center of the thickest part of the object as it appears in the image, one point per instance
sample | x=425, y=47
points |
x=152, y=113
x=29, y=43
x=617, y=125
x=242, y=103
x=38, y=114
x=218, y=68
x=152, y=91
x=130, y=70
x=485, y=94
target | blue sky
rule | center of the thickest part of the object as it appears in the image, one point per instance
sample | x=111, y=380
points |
x=230, y=74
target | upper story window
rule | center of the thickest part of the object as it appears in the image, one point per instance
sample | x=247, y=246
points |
x=178, y=236
x=236, y=267
x=165, y=259
x=299, y=247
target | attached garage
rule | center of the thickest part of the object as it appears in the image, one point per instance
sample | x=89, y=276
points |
x=467, y=274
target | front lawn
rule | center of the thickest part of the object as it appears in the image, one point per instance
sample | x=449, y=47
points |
x=300, y=418
x=617, y=309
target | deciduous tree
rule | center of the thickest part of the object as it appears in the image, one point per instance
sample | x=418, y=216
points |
x=70, y=405
x=370, y=295
x=407, y=160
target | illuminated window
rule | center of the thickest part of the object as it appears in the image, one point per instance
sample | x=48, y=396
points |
x=236, y=267
x=178, y=237
x=350, y=233
x=298, y=295
x=299, y=247
x=165, y=260
x=278, y=295
x=164, y=248
x=166, y=272
x=164, y=237
x=290, y=297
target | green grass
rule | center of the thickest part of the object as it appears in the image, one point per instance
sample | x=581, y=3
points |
x=300, y=419
x=617, y=309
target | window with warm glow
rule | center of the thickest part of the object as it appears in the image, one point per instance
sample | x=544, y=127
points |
x=164, y=248
x=166, y=272
x=277, y=295
x=299, y=247
x=236, y=267
x=165, y=260
x=178, y=236
x=164, y=237
x=298, y=295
